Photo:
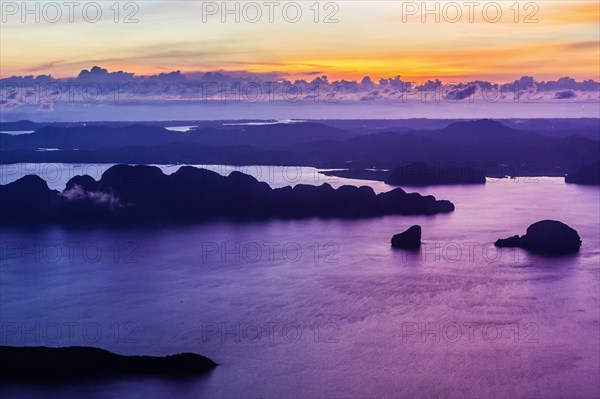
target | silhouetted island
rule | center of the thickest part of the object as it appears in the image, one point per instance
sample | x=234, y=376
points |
x=359, y=174
x=410, y=239
x=134, y=195
x=417, y=174
x=77, y=362
x=549, y=237
x=587, y=174
x=421, y=174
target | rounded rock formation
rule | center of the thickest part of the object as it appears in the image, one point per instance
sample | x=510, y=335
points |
x=410, y=239
x=547, y=236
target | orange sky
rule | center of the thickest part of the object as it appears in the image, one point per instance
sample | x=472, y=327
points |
x=379, y=39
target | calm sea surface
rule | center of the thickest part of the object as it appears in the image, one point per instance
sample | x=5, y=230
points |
x=320, y=308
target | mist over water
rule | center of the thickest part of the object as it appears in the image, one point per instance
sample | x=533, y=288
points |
x=323, y=308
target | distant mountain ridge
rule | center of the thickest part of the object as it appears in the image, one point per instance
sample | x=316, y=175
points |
x=97, y=136
x=488, y=145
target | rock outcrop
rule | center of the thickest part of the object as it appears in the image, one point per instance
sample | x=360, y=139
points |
x=410, y=239
x=549, y=237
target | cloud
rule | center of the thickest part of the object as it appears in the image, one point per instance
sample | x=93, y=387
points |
x=45, y=66
x=562, y=95
x=105, y=199
x=99, y=85
x=461, y=94
x=77, y=193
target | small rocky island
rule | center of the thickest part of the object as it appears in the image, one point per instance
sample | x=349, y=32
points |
x=417, y=174
x=410, y=239
x=548, y=237
x=138, y=195
x=77, y=362
x=422, y=174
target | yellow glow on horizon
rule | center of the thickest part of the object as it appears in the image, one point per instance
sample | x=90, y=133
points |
x=370, y=40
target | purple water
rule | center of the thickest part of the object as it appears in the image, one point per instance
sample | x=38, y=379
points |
x=457, y=319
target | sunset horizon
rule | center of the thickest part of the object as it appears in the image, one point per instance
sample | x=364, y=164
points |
x=300, y=199
x=546, y=40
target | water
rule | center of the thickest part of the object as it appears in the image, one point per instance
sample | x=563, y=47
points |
x=181, y=129
x=279, y=122
x=17, y=132
x=316, y=308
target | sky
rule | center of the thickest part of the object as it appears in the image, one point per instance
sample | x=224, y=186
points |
x=344, y=40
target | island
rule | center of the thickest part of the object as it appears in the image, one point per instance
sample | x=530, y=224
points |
x=417, y=174
x=549, y=237
x=410, y=239
x=422, y=174
x=138, y=195
x=76, y=362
